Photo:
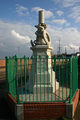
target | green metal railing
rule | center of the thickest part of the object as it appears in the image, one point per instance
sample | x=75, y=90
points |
x=73, y=76
x=42, y=79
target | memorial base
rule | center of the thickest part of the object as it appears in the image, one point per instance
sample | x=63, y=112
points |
x=44, y=76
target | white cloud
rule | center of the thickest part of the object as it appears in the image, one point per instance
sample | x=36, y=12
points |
x=75, y=13
x=66, y=3
x=36, y=9
x=2, y=45
x=66, y=36
x=69, y=3
x=47, y=13
x=20, y=37
x=66, y=46
x=21, y=10
x=59, y=12
x=17, y=35
x=75, y=47
x=59, y=21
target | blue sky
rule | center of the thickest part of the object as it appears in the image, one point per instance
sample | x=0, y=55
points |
x=18, y=18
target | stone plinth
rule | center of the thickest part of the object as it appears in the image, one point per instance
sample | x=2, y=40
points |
x=43, y=51
x=44, y=76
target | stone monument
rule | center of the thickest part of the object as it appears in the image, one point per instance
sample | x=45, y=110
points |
x=41, y=47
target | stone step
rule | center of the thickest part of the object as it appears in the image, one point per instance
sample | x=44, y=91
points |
x=43, y=89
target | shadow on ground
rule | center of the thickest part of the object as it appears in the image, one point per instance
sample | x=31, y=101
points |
x=5, y=112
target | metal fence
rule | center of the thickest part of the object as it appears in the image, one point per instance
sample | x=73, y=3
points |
x=42, y=79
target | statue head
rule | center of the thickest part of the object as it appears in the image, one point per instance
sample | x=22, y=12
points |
x=42, y=25
x=41, y=28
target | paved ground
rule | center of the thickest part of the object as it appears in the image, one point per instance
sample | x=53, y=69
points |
x=5, y=113
x=60, y=95
x=77, y=114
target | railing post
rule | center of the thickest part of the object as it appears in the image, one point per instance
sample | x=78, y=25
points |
x=7, y=84
x=40, y=76
x=67, y=72
x=47, y=57
x=25, y=76
x=59, y=77
x=71, y=80
x=77, y=70
x=55, y=74
x=29, y=68
x=44, y=61
x=21, y=79
x=32, y=57
x=36, y=80
x=17, y=90
x=62, y=75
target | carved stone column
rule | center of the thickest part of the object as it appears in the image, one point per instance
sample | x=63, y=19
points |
x=41, y=16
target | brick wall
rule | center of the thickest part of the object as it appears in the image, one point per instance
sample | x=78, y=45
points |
x=2, y=71
x=44, y=110
x=75, y=100
x=48, y=110
x=2, y=62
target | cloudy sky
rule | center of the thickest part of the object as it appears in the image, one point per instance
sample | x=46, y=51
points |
x=18, y=18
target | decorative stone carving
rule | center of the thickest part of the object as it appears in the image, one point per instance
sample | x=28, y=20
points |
x=42, y=36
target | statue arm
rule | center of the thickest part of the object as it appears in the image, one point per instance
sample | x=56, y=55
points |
x=48, y=37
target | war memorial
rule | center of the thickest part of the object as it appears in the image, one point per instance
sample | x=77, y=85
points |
x=42, y=86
